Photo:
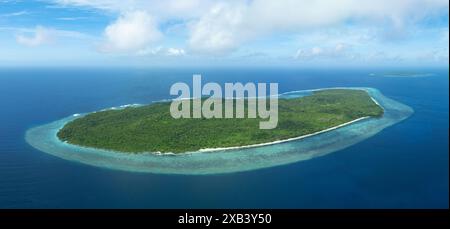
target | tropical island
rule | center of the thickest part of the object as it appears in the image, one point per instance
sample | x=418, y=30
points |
x=151, y=128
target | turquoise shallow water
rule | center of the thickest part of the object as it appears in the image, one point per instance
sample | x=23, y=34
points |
x=403, y=166
x=227, y=161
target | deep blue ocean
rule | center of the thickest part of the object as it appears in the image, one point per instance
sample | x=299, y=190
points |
x=404, y=166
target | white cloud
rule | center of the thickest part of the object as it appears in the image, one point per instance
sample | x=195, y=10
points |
x=339, y=50
x=219, y=30
x=39, y=36
x=160, y=51
x=149, y=51
x=227, y=25
x=309, y=54
x=433, y=56
x=217, y=27
x=175, y=52
x=131, y=32
x=14, y=14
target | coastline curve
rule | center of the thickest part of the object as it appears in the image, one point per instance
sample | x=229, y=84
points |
x=44, y=138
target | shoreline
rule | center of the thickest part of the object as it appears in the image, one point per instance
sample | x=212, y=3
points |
x=43, y=138
x=208, y=150
x=205, y=150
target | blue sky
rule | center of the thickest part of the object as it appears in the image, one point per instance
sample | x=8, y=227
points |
x=237, y=32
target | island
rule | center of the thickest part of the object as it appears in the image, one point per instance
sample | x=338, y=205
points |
x=151, y=128
x=402, y=74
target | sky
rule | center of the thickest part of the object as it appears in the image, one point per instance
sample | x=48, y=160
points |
x=301, y=33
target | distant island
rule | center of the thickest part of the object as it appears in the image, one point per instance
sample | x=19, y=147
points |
x=151, y=128
x=402, y=74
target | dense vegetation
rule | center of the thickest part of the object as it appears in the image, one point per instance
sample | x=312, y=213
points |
x=151, y=128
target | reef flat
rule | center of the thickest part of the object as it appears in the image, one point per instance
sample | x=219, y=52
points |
x=45, y=139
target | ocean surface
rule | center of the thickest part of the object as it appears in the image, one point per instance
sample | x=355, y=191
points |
x=403, y=166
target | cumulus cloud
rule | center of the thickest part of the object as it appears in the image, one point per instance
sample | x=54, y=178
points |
x=226, y=26
x=131, y=32
x=39, y=36
x=217, y=27
x=219, y=30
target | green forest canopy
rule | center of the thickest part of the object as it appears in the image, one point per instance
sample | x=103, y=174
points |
x=151, y=128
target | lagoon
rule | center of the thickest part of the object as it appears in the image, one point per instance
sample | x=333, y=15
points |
x=402, y=166
x=45, y=139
